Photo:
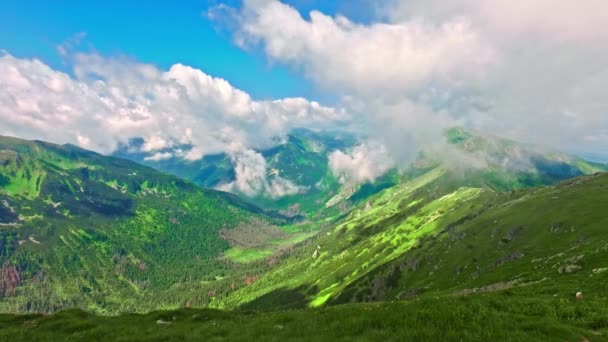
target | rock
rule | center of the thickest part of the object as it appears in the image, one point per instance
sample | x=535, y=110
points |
x=315, y=254
x=279, y=327
x=458, y=270
x=579, y=295
x=508, y=258
x=568, y=269
x=512, y=234
x=600, y=270
x=574, y=259
x=161, y=322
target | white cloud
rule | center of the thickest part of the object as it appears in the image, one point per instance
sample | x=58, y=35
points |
x=553, y=19
x=158, y=156
x=380, y=58
x=279, y=187
x=111, y=100
x=530, y=70
x=364, y=163
x=252, y=179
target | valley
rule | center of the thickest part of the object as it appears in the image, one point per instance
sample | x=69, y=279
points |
x=108, y=236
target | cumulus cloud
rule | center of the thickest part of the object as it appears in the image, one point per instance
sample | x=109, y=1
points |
x=111, y=100
x=364, y=163
x=380, y=58
x=252, y=179
x=528, y=70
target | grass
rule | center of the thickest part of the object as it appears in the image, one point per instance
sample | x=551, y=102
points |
x=526, y=237
x=26, y=185
x=416, y=241
x=246, y=255
x=364, y=241
x=251, y=254
x=506, y=316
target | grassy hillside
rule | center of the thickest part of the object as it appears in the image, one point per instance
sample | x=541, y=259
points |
x=427, y=237
x=555, y=237
x=78, y=229
x=487, y=317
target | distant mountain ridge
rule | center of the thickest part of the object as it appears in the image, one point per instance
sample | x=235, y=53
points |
x=301, y=159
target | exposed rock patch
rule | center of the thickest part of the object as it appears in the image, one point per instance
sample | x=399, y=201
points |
x=568, y=269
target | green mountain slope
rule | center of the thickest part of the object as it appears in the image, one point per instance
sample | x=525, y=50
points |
x=78, y=229
x=470, y=265
x=430, y=237
x=550, y=238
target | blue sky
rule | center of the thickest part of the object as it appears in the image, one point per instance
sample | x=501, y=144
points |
x=158, y=32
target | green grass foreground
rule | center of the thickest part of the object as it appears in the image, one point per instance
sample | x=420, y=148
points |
x=507, y=316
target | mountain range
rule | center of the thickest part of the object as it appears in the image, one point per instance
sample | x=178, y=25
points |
x=303, y=159
x=477, y=218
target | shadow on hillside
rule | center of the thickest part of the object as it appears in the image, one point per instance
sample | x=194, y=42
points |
x=281, y=299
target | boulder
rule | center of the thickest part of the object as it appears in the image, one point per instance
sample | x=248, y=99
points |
x=568, y=269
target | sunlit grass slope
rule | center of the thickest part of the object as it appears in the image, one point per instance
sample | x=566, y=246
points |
x=413, y=241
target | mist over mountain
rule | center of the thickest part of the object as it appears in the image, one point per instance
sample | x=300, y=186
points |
x=306, y=171
x=298, y=176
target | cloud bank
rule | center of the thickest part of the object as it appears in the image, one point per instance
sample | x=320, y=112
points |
x=530, y=71
x=111, y=100
x=364, y=163
x=252, y=179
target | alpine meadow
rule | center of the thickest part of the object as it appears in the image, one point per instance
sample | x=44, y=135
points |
x=287, y=170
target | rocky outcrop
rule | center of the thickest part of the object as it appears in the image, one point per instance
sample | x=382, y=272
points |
x=568, y=269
